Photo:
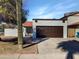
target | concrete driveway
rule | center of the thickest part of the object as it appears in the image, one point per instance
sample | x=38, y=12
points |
x=49, y=45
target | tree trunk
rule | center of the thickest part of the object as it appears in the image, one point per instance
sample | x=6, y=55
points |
x=19, y=23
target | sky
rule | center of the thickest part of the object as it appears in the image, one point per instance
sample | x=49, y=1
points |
x=49, y=9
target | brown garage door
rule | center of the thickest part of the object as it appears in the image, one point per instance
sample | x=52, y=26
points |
x=49, y=31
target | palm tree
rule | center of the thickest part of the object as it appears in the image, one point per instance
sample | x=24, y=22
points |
x=19, y=23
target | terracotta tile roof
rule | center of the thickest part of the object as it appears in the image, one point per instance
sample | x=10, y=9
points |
x=27, y=24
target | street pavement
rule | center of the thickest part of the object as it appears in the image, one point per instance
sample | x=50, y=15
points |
x=38, y=56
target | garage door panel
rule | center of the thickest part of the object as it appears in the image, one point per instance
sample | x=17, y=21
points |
x=49, y=31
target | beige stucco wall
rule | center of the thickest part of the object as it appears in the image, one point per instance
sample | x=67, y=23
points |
x=50, y=23
x=73, y=20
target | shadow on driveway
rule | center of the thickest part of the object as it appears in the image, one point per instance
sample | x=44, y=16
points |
x=71, y=47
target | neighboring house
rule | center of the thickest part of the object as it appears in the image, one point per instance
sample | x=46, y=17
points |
x=7, y=14
x=27, y=30
x=66, y=27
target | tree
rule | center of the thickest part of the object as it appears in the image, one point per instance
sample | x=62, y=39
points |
x=24, y=14
x=19, y=23
x=8, y=11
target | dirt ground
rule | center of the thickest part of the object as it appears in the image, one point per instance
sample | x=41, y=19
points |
x=12, y=48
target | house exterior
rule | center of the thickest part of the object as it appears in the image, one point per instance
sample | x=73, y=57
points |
x=49, y=28
x=65, y=27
